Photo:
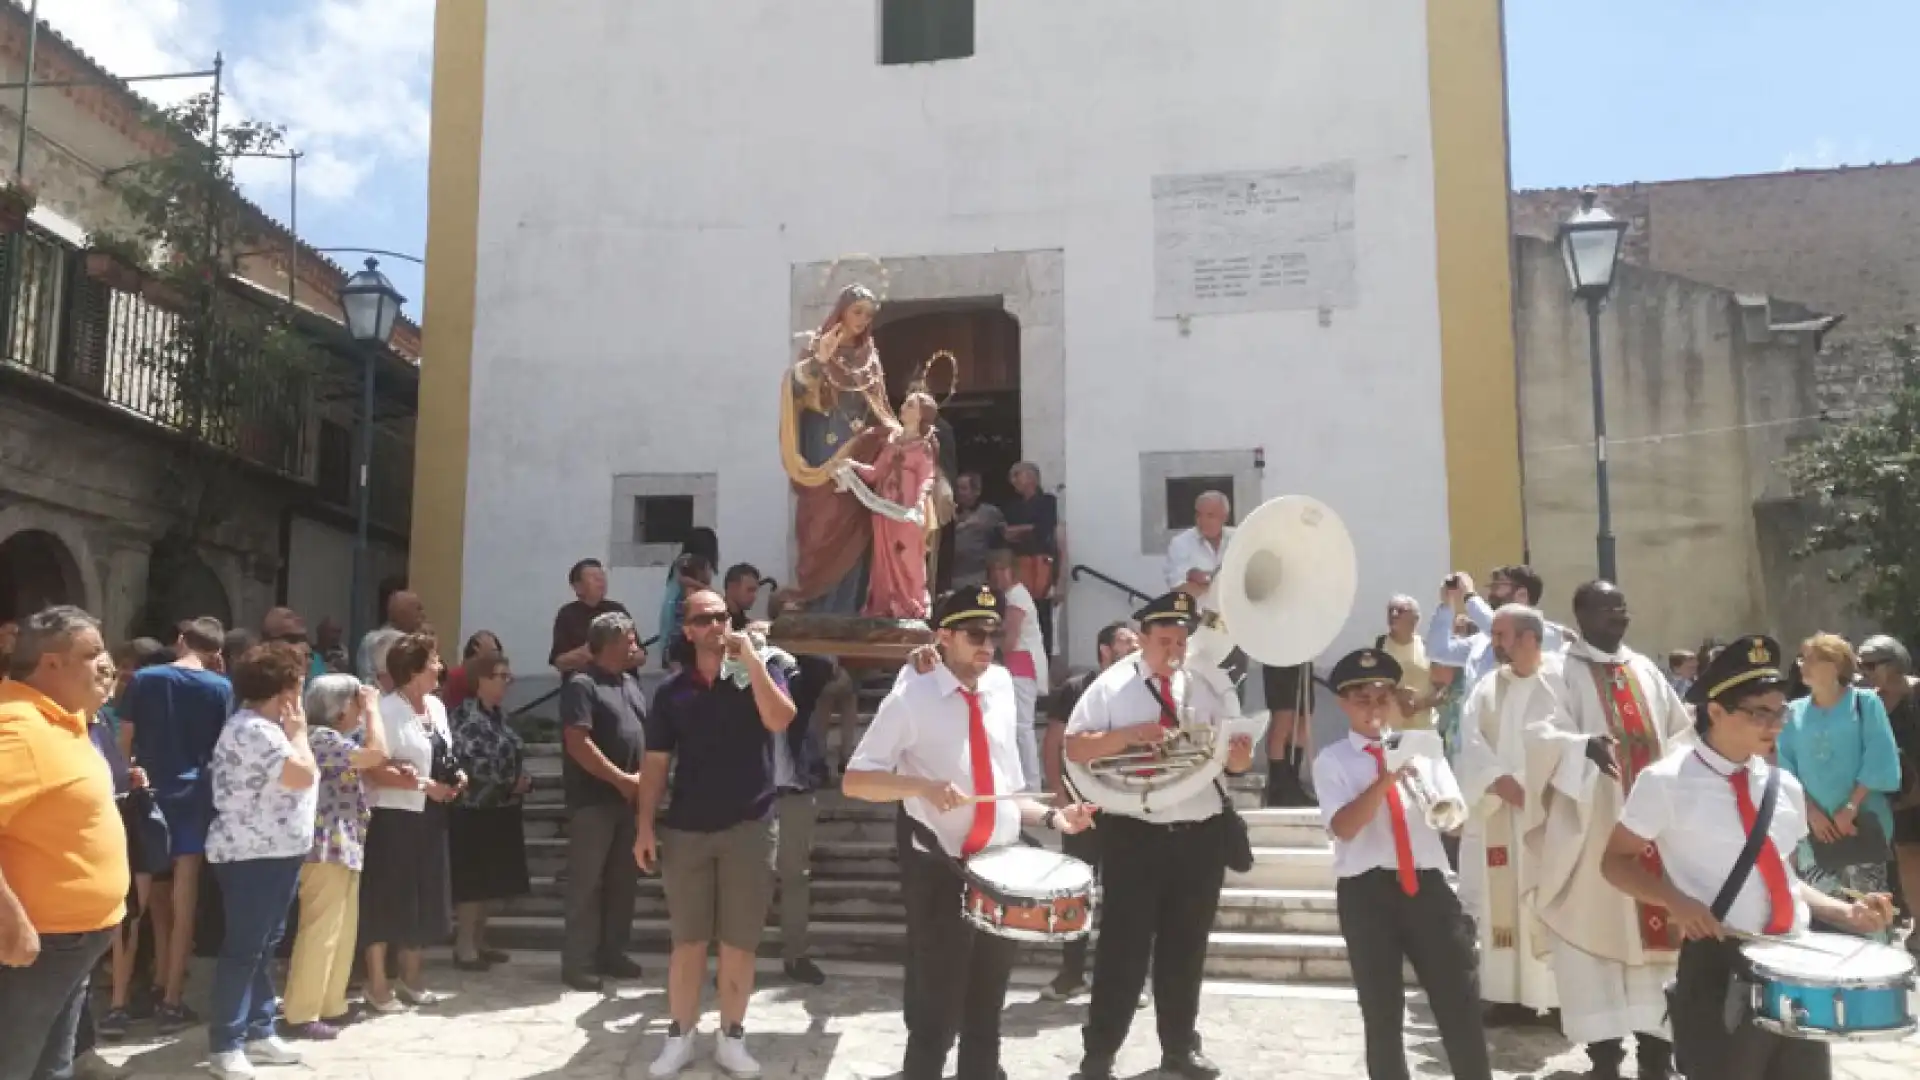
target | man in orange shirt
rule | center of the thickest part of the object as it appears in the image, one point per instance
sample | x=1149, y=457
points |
x=63, y=850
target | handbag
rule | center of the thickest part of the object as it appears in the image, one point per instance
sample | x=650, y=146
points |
x=1734, y=1009
x=151, y=846
x=1236, y=843
x=1868, y=845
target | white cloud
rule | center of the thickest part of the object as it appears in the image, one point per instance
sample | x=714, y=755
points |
x=348, y=79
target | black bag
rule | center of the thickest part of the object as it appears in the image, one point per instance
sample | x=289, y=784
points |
x=1235, y=842
x=1734, y=1009
x=150, y=844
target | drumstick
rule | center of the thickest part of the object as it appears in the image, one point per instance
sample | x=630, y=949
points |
x=972, y=800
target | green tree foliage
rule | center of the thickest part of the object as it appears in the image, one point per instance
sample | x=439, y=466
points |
x=1862, y=474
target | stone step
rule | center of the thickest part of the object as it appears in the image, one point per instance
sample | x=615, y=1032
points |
x=1294, y=911
x=1287, y=868
x=1268, y=957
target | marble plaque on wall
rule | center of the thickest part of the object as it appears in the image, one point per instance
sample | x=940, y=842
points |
x=1272, y=240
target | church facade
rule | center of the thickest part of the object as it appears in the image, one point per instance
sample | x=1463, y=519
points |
x=1246, y=245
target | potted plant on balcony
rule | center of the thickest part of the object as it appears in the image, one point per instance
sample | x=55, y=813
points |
x=17, y=200
x=116, y=261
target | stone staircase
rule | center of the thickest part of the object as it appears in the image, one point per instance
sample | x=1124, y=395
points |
x=1276, y=923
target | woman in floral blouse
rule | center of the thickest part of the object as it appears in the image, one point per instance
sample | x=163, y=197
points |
x=339, y=711
x=486, y=846
x=263, y=799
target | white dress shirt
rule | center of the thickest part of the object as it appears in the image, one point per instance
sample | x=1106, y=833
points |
x=1684, y=804
x=922, y=730
x=1121, y=698
x=1190, y=551
x=1340, y=773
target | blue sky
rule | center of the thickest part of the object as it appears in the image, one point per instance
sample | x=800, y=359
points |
x=1614, y=92
x=1665, y=89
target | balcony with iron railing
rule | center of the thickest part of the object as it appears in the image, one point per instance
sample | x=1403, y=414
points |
x=111, y=346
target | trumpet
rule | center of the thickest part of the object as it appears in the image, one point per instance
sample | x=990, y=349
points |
x=1433, y=790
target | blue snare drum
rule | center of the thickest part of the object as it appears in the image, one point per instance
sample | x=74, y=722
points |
x=1831, y=988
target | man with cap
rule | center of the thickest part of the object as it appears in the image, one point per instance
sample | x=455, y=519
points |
x=1887, y=667
x=1395, y=904
x=943, y=745
x=1162, y=863
x=1611, y=956
x=1697, y=809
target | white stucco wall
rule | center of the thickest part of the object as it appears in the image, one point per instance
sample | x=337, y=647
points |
x=652, y=175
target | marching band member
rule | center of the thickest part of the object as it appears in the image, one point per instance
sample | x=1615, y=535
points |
x=1612, y=957
x=942, y=745
x=1162, y=868
x=1696, y=808
x=1395, y=904
x=1514, y=978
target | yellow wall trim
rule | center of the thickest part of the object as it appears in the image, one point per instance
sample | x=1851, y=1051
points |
x=446, y=370
x=1466, y=68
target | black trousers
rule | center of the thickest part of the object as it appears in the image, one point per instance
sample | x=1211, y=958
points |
x=956, y=981
x=1704, y=1048
x=1384, y=928
x=1160, y=885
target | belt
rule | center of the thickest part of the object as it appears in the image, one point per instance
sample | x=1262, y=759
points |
x=1109, y=819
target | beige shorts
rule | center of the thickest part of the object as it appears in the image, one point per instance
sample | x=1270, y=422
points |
x=719, y=885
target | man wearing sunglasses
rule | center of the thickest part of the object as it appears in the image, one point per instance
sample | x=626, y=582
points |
x=943, y=746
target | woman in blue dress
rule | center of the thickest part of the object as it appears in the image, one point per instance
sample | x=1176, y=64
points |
x=1839, y=743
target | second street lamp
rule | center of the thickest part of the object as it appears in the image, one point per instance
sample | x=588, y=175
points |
x=372, y=307
x=1590, y=247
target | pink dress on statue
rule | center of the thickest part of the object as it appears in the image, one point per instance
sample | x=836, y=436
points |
x=897, y=584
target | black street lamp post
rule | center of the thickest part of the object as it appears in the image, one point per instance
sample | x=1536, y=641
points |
x=1590, y=245
x=372, y=307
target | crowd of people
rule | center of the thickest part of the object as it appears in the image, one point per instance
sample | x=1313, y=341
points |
x=226, y=791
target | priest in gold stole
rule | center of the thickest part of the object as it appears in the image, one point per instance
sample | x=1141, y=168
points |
x=1612, y=955
x=1491, y=767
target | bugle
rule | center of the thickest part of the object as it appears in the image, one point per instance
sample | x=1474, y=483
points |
x=1427, y=786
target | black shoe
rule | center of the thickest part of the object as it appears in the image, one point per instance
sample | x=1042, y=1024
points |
x=586, y=984
x=1192, y=1065
x=806, y=971
x=618, y=967
x=1094, y=1069
x=495, y=956
x=1655, y=1056
x=476, y=964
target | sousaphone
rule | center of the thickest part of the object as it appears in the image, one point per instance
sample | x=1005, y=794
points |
x=1283, y=592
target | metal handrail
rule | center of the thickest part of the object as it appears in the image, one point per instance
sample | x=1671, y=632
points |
x=555, y=692
x=1083, y=570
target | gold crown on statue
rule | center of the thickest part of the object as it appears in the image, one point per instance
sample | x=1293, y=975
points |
x=921, y=385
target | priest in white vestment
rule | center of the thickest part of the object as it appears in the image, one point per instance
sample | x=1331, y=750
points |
x=1611, y=955
x=1490, y=767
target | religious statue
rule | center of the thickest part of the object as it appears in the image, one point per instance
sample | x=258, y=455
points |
x=833, y=412
x=899, y=488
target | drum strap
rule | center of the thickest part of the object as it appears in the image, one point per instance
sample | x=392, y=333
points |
x=1756, y=839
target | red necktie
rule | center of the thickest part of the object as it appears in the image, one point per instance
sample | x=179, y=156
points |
x=981, y=759
x=1402, y=841
x=1772, y=870
x=1164, y=695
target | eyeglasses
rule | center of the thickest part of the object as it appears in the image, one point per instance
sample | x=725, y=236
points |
x=974, y=635
x=706, y=619
x=1765, y=717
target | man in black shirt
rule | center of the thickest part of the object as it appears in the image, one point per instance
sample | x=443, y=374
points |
x=602, y=713
x=570, y=652
x=714, y=723
x=1116, y=642
x=742, y=585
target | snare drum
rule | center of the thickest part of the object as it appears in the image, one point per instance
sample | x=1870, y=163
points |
x=1028, y=894
x=1831, y=988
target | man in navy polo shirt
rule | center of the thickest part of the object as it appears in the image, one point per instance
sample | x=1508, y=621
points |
x=718, y=716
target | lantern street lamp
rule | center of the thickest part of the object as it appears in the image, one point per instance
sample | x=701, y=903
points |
x=1590, y=246
x=372, y=306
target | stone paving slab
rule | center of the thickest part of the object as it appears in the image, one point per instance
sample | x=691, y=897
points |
x=518, y=1022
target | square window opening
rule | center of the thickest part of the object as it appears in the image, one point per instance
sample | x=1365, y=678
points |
x=1182, y=491
x=925, y=31
x=662, y=519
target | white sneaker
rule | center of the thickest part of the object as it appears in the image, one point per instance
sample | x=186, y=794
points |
x=271, y=1051
x=674, y=1056
x=730, y=1053
x=230, y=1065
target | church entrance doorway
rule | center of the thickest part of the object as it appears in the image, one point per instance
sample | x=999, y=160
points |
x=37, y=571
x=982, y=417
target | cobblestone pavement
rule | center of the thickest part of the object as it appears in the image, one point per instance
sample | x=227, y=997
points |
x=519, y=1022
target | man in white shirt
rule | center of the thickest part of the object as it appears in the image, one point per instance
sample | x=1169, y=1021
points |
x=1024, y=653
x=1493, y=863
x=1395, y=904
x=941, y=745
x=1162, y=867
x=1612, y=956
x=1193, y=557
x=1697, y=808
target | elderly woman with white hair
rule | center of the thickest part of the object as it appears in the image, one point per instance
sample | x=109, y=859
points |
x=350, y=748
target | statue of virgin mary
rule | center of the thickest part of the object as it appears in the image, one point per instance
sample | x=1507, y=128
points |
x=834, y=411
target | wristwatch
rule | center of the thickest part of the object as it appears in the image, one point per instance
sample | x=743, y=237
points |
x=1853, y=806
x=1050, y=819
